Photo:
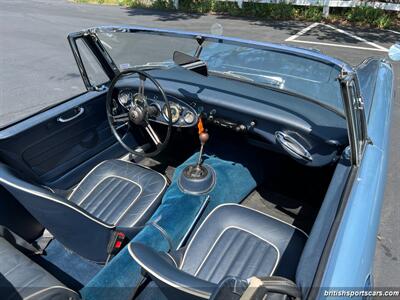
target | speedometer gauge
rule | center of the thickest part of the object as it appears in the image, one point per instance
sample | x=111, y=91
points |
x=125, y=97
x=175, y=112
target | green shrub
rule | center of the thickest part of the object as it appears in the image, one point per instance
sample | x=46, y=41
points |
x=228, y=7
x=162, y=4
x=370, y=16
x=196, y=6
x=282, y=11
x=383, y=22
x=313, y=13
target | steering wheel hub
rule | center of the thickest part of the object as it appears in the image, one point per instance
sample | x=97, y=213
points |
x=136, y=114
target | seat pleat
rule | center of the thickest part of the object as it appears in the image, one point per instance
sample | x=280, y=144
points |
x=110, y=199
x=209, y=272
x=116, y=205
x=125, y=195
x=226, y=261
x=94, y=199
x=238, y=253
x=100, y=200
x=241, y=259
x=99, y=189
x=254, y=265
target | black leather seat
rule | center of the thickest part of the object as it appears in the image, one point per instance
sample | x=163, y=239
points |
x=21, y=278
x=115, y=196
x=232, y=241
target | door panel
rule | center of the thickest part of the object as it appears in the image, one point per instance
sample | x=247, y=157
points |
x=59, y=152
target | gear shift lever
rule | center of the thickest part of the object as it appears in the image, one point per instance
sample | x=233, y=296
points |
x=198, y=178
x=203, y=137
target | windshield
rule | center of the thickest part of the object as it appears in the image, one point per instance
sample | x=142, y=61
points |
x=286, y=71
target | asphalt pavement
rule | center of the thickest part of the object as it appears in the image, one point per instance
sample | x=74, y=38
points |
x=37, y=70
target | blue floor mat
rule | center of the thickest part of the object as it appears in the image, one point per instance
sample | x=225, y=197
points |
x=119, y=279
x=68, y=267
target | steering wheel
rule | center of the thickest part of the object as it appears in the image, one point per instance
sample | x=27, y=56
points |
x=136, y=113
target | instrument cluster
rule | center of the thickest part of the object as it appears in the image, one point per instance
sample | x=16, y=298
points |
x=182, y=115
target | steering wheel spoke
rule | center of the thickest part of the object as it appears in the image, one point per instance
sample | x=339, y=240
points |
x=153, y=135
x=121, y=118
x=142, y=79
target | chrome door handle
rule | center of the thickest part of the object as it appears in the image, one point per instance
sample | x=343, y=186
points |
x=80, y=111
x=292, y=146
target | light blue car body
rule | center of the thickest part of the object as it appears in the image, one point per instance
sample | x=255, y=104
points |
x=350, y=263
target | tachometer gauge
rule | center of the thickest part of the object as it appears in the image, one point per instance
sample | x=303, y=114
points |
x=125, y=97
x=175, y=112
x=188, y=117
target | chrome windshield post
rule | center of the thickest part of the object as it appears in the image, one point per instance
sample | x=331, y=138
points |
x=355, y=114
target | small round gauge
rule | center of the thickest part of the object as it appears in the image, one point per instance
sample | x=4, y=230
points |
x=188, y=117
x=125, y=97
x=175, y=112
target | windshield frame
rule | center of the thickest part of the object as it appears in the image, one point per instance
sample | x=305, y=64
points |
x=92, y=38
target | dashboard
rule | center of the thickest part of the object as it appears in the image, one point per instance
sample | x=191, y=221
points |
x=275, y=120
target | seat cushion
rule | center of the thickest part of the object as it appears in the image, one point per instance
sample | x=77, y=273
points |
x=120, y=193
x=238, y=241
x=21, y=278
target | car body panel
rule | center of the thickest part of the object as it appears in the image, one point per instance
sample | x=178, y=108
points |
x=351, y=259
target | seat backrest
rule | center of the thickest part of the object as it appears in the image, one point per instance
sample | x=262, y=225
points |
x=71, y=225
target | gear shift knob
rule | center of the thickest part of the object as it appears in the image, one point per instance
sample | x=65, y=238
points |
x=203, y=137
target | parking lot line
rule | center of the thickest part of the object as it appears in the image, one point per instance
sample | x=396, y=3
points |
x=356, y=37
x=301, y=32
x=376, y=47
x=339, y=45
x=393, y=31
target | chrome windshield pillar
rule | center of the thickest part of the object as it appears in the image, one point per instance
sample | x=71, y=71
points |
x=355, y=114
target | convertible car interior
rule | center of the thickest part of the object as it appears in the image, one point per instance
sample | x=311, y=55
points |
x=176, y=180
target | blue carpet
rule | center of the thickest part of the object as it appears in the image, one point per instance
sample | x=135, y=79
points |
x=176, y=213
x=68, y=267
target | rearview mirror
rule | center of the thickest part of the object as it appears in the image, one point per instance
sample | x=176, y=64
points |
x=189, y=62
x=394, y=52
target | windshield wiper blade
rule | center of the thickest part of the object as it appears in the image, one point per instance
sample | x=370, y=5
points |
x=274, y=81
x=231, y=74
x=147, y=66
